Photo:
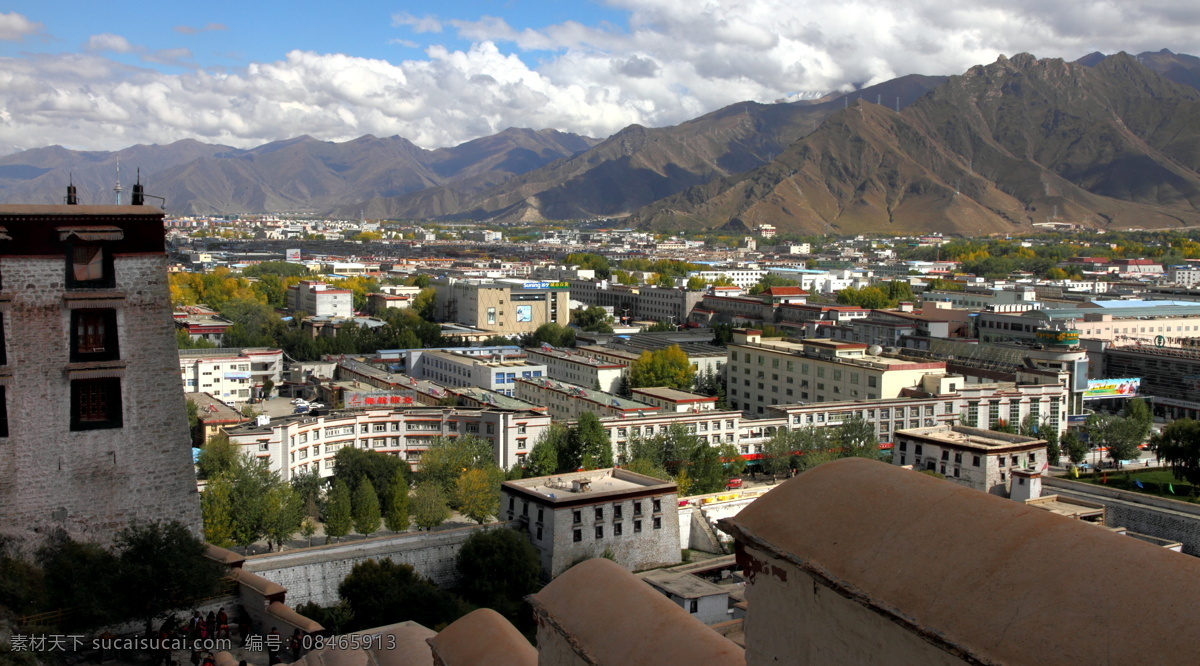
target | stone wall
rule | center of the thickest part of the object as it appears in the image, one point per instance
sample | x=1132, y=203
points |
x=94, y=482
x=1146, y=514
x=313, y=574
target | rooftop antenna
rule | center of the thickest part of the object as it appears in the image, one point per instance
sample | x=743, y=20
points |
x=118, y=189
x=139, y=193
x=72, y=196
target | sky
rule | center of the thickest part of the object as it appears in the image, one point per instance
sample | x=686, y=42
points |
x=104, y=76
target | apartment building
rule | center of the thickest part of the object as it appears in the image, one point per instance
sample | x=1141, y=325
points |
x=1120, y=322
x=230, y=375
x=305, y=444
x=498, y=374
x=762, y=373
x=570, y=366
x=674, y=400
x=974, y=457
x=320, y=300
x=503, y=307
x=566, y=402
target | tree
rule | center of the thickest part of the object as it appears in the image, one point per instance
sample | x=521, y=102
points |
x=543, y=459
x=589, y=261
x=497, y=568
x=1120, y=435
x=668, y=367
x=594, y=319
x=648, y=468
x=250, y=481
x=1141, y=416
x=1179, y=446
x=669, y=449
x=284, y=514
x=161, y=567
x=216, y=508
x=855, y=438
x=549, y=333
x=429, y=508
x=354, y=466
x=477, y=493
x=771, y=280
x=366, y=509
x=588, y=442
x=1075, y=448
x=735, y=464
x=425, y=304
x=218, y=456
x=382, y=592
x=397, y=518
x=777, y=453
x=872, y=298
x=267, y=387
x=338, y=517
x=65, y=565
x=705, y=469
x=446, y=459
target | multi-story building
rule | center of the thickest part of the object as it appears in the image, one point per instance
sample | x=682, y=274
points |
x=674, y=400
x=305, y=444
x=762, y=373
x=93, y=435
x=452, y=369
x=742, y=277
x=1110, y=321
x=320, y=300
x=974, y=457
x=503, y=307
x=714, y=427
x=576, y=368
x=230, y=375
x=574, y=517
x=567, y=402
x=1184, y=276
x=1170, y=376
x=202, y=324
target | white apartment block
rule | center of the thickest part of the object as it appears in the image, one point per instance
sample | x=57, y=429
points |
x=762, y=373
x=674, y=400
x=574, y=368
x=320, y=300
x=567, y=402
x=973, y=457
x=1184, y=276
x=458, y=370
x=302, y=444
x=230, y=375
x=742, y=277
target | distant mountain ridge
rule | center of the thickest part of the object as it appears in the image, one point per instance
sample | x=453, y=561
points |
x=1104, y=140
x=1004, y=146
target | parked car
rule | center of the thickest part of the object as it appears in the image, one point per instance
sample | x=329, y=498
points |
x=733, y=484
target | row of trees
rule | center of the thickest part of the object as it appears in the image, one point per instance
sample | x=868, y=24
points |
x=151, y=569
x=678, y=454
x=803, y=448
x=564, y=448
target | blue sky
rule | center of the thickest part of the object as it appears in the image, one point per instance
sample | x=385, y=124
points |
x=103, y=76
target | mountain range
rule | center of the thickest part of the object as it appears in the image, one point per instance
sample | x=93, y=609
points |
x=1105, y=140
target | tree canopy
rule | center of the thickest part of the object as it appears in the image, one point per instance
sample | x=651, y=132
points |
x=668, y=367
x=382, y=592
x=497, y=568
x=1178, y=445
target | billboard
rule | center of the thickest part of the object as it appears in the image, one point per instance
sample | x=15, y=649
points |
x=1063, y=338
x=546, y=285
x=292, y=255
x=364, y=399
x=1112, y=388
x=524, y=313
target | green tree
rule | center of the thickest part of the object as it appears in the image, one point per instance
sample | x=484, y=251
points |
x=777, y=453
x=1120, y=435
x=589, y=261
x=543, y=459
x=771, y=280
x=668, y=367
x=588, y=442
x=1178, y=445
x=382, y=592
x=216, y=509
x=308, y=485
x=161, y=568
x=594, y=319
x=250, y=481
x=705, y=469
x=79, y=576
x=855, y=438
x=1141, y=417
x=397, y=518
x=735, y=464
x=549, y=333
x=366, y=509
x=1074, y=447
x=497, y=568
x=425, y=304
x=477, y=493
x=446, y=459
x=284, y=514
x=648, y=468
x=872, y=298
x=669, y=449
x=429, y=507
x=354, y=466
x=338, y=517
x=218, y=456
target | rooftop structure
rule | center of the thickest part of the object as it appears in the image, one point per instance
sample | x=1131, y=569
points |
x=567, y=402
x=981, y=459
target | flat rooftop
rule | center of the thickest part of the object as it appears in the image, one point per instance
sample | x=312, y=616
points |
x=680, y=584
x=673, y=395
x=975, y=438
x=1066, y=506
x=592, y=485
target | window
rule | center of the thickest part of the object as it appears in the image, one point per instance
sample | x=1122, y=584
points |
x=657, y=523
x=657, y=506
x=917, y=449
x=539, y=534
x=3, y=412
x=617, y=531
x=91, y=266
x=694, y=606
x=945, y=454
x=637, y=526
x=539, y=514
x=617, y=512
x=599, y=513
x=975, y=461
x=637, y=508
x=94, y=335
x=577, y=536
x=577, y=516
x=599, y=531
x=96, y=403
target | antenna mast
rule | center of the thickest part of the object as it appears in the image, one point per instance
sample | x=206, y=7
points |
x=118, y=189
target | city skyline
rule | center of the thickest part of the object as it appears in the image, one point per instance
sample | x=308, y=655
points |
x=91, y=77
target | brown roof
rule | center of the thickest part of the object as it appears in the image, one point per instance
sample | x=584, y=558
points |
x=619, y=619
x=976, y=572
x=483, y=637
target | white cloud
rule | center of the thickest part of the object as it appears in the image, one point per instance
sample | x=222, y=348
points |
x=15, y=27
x=675, y=59
x=108, y=42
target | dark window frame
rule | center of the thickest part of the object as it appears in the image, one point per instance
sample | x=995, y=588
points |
x=84, y=393
x=107, y=280
x=111, y=347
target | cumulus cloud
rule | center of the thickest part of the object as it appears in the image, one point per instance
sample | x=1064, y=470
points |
x=108, y=42
x=15, y=27
x=673, y=60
